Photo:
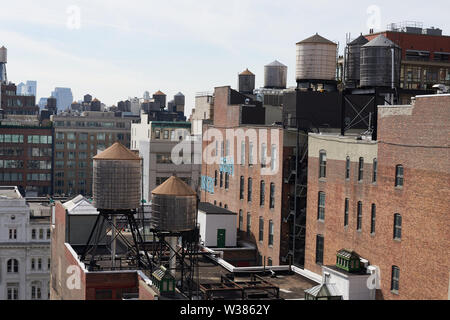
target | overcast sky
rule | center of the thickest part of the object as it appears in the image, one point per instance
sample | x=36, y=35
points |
x=117, y=49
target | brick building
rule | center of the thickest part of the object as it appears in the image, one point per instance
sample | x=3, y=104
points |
x=13, y=103
x=386, y=199
x=26, y=158
x=234, y=175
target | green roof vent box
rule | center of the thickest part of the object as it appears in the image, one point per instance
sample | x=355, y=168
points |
x=163, y=280
x=348, y=260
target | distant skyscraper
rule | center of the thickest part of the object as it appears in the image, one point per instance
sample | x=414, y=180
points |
x=28, y=89
x=42, y=103
x=63, y=97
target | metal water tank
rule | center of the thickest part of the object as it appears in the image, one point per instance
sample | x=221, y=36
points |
x=179, y=99
x=174, y=206
x=352, y=61
x=160, y=99
x=3, y=55
x=275, y=75
x=316, y=59
x=117, y=179
x=380, y=63
x=246, y=82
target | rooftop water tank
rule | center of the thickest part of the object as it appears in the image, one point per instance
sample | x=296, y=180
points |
x=246, y=82
x=3, y=55
x=316, y=59
x=275, y=75
x=179, y=99
x=174, y=206
x=352, y=62
x=117, y=179
x=380, y=63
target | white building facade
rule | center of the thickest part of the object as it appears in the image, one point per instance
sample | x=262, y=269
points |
x=24, y=247
x=155, y=141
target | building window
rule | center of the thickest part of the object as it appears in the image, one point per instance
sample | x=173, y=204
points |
x=249, y=190
x=270, y=233
x=321, y=206
x=261, y=229
x=48, y=264
x=242, y=153
x=225, y=206
x=395, y=278
x=39, y=264
x=397, y=226
x=35, y=291
x=347, y=168
x=12, y=266
x=227, y=180
x=33, y=234
x=241, y=188
x=319, y=249
x=359, y=218
x=262, y=187
x=221, y=179
x=250, y=153
x=372, y=218
x=157, y=134
x=322, y=164
x=263, y=155
x=166, y=134
x=41, y=234
x=227, y=149
x=269, y=261
x=272, y=196
x=12, y=234
x=375, y=170
x=13, y=292
x=399, y=176
x=241, y=220
x=273, y=158
x=249, y=223
x=346, y=212
x=222, y=149
x=33, y=264
x=215, y=178
x=361, y=169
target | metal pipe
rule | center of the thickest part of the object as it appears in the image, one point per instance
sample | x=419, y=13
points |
x=113, y=243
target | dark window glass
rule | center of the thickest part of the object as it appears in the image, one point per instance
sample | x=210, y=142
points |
x=375, y=170
x=347, y=168
x=322, y=164
x=262, y=193
x=272, y=195
x=227, y=180
x=241, y=220
x=319, y=249
x=395, y=278
x=249, y=193
x=361, y=169
x=241, y=188
x=399, y=176
x=249, y=223
x=397, y=226
x=359, y=218
x=321, y=206
x=373, y=217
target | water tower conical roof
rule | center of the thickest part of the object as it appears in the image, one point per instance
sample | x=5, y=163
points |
x=174, y=186
x=117, y=152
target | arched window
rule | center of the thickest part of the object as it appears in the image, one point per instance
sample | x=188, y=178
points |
x=361, y=169
x=359, y=217
x=347, y=168
x=262, y=193
x=395, y=279
x=12, y=266
x=322, y=164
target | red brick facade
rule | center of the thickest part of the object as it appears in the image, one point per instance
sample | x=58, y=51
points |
x=417, y=138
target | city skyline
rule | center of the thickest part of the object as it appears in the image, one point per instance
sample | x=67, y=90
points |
x=114, y=51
